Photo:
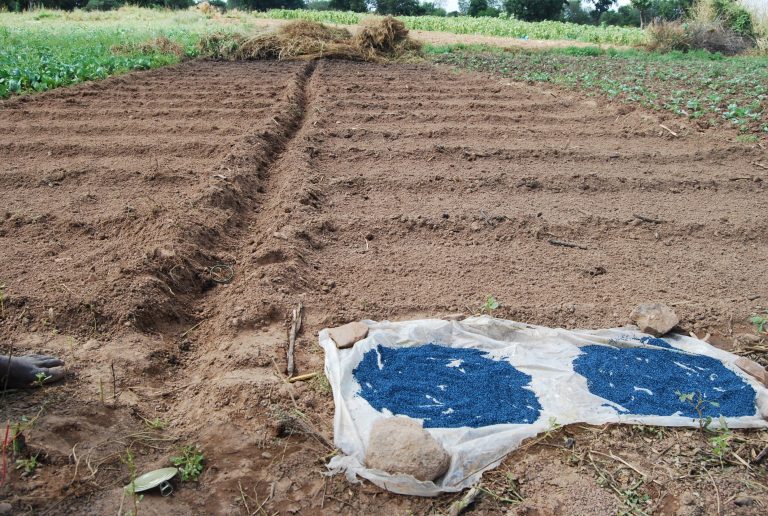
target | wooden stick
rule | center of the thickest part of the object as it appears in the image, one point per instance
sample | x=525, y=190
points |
x=673, y=133
x=761, y=456
x=303, y=377
x=563, y=243
x=717, y=492
x=114, y=383
x=295, y=328
x=647, y=219
x=757, y=164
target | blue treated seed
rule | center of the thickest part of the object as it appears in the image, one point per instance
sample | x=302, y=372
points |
x=446, y=387
x=647, y=381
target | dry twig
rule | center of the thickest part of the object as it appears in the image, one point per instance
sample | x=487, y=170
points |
x=295, y=328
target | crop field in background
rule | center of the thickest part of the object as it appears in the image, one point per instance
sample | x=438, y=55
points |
x=708, y=88
x=41, y=50
x=483, y=26
x=45, y=49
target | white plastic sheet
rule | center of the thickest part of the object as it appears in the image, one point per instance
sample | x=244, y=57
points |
x=546, y=354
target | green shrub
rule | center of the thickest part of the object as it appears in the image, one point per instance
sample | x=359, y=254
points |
x=734, y=16
x=103, y=5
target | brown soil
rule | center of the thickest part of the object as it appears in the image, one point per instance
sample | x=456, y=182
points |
x=363, y=191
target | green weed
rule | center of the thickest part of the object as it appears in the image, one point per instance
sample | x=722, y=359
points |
x=136, y=498
x=760, y=321
x=28, y=465
x=490, y=305
x=190, y=462
x=721, y=443
x=41, y=378
x=699, y=402
x=156, y=423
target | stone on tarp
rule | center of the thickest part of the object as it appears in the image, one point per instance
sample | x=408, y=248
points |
x=401, y=445
x=345, y=336
x=753, y=369
x=654, y=318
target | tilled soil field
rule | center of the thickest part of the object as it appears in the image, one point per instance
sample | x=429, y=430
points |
x=160, y=227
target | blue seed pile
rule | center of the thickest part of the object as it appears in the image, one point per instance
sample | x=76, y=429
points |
x=655, y=341
x=644, y=381
x=446, y=387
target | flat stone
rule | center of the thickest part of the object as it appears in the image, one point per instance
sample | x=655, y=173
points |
x=753, y=369
x=345, y=336
x=401, y=445
x=747, y=338
x=6, y=508
x=743, y=500
x=654, y=318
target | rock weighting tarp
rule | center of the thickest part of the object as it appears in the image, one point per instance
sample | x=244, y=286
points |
x=483, y=385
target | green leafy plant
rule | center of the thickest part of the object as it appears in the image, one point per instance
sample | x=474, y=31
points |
x=721, y=443
x=28, y=465
x=699, y=402
x=190, y=462
x=761, y=321
x=490, y=305
x=41, y=378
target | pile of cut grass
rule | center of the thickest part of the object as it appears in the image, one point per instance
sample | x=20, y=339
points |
x=379, y=39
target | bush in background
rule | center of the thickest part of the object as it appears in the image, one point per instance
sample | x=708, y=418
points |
x=723, y=26
x=666, y=36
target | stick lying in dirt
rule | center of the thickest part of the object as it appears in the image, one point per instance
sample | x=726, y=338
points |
x=460, y=506
x=303, y=377
x=295, y=328
x=758, y=164
x=563, y=243
x=647, y=219
x=761, y=456
x=673, y=133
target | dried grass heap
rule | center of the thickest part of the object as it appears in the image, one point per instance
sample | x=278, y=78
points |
x=379, y=39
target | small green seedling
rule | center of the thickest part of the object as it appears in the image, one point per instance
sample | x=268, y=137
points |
x=27, y=465
x=155, y=424
x=490, y=305
x=721, y=443
x=190, y=462
x=747, y=138
x=41, y=378
x=136, y=498
x=761, y=321
x=699, y=402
